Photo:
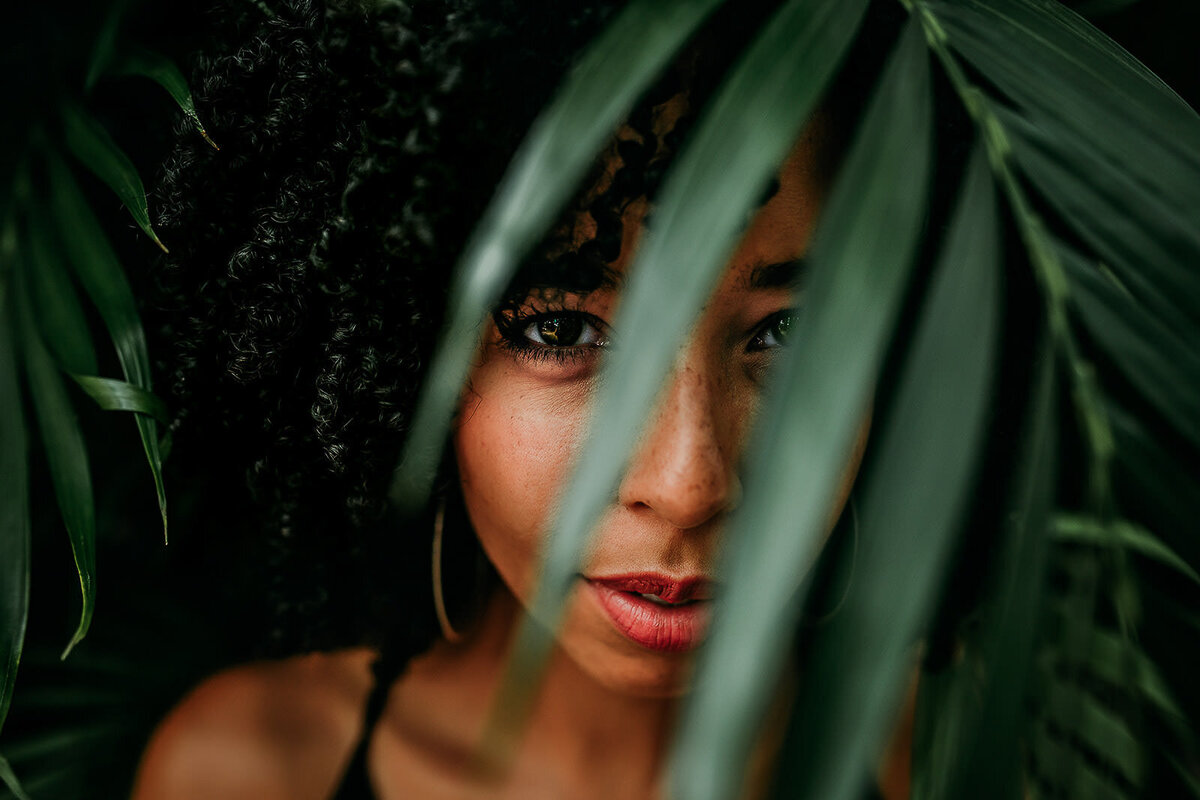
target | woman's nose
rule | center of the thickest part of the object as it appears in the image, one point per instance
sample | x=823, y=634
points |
x=683, y=470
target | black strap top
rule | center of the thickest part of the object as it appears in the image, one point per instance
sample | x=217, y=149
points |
x=356, y=780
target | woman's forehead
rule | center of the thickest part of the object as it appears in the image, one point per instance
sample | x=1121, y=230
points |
x=769, y=253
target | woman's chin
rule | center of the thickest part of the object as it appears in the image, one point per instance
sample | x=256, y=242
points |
x=622, y=665
x=601, y=649
x=651, y=681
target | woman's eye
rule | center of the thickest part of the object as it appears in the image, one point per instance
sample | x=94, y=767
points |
x=563, y=330
x=775, y=332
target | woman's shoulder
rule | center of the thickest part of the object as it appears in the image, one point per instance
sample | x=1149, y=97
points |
x=274, y=729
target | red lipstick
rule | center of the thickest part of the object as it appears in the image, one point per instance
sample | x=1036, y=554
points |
x=655, y=611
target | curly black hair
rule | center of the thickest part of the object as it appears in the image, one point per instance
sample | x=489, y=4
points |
x=360, y=142
x=310, y=255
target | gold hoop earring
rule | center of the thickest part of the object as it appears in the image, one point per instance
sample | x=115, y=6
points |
x=439, y=599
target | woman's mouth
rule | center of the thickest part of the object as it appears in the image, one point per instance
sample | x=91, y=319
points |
x=656, y=611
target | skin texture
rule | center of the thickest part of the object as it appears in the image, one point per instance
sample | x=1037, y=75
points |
x=606, y=708
x=527, y=411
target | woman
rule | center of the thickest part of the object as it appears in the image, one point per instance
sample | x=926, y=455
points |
x=303, y=295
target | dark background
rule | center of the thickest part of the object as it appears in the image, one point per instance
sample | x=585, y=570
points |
x=142, y=585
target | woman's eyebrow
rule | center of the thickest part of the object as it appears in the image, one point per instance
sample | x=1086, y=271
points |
x=779, y=275
x=574, y=275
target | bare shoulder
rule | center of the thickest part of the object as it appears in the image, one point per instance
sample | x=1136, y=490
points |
x=279, y=729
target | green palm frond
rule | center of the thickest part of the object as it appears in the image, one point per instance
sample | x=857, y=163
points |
x=554, y=157
x=693, y=234
x=1079, y=201
x=14, y=512
x=1095, y=164
x=856, y=265
x=52, y=247
x=94, y=149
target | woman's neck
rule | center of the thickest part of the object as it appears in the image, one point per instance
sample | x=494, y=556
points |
x=581, y=735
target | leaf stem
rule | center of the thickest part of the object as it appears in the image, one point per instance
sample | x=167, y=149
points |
x=1086, y=394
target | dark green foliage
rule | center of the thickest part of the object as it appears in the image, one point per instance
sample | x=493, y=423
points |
x=1027, y=348
x=1083, y=145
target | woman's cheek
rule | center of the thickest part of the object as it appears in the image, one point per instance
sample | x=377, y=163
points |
x=515, y=444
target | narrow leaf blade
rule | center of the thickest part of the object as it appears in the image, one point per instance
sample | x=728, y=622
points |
x=988, y=762
x=59, y=313
x=14, y=510
x=1076, y=529
x=96, y=150
x=549, y=164
x=742, y=138
x=161, y=70
x=1149, y=345
x=817, y=407
x=99, y=271
x=1146, y=234
x=1077, y=712
x=66, y=456
x=9, y=778
x=911, y=507
x=1121, y=662
x=114, y=395
x=105, y=44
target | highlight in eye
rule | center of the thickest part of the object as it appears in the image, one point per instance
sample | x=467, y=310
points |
x=561, y=334
x=567, y=329
x=775, y=331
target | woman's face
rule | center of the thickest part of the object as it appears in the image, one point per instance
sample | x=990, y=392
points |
x=640, y=601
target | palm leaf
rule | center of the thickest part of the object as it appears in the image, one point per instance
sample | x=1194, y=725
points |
x=856, y=265
x=764, y=104
x=161, y=70
x=1081, y=780
x=66, y=456
x=1087, y=720
x=1187, y=776
x=1151, y=349
x=1084, y=530
x=99, y=271
x=105, y=44
x=1146, y=240
x=914, y=496
x=1056, y=66
x=969, y=720
x=1120, y=662
x=1165, y=486
x=59, y=313
x=58, y=742
x=9, y=779
x=544, y=172
x=96, y=150
x=14, y=511
x=114, y=395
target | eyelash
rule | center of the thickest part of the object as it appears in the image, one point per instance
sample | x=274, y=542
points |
x=787, y=317
x=512, y=327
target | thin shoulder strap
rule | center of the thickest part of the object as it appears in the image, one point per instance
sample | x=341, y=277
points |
x=356, y=780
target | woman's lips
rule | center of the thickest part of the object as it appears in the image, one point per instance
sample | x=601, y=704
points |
x=673, y=621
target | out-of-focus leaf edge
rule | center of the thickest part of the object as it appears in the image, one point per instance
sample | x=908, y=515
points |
x=1078, y=529
x=66, y=456
x=562, y=144
x=856, y=264
x=94, y=148
x=114, y=395
x=14, y=510
x=9, y=778
x=98, y=269
x=160, y=69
